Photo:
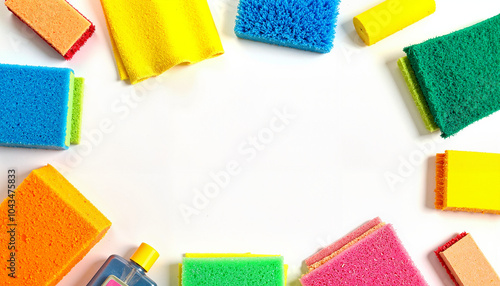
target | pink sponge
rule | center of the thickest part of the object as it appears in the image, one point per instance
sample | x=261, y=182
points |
x=318, y=256
x=378, y=259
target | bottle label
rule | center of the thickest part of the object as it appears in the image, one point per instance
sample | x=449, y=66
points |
x=113, y=281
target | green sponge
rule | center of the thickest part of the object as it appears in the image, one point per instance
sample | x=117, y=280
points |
x=76, y=120
x=459, y=74
x=416, y=93
x=233, y=271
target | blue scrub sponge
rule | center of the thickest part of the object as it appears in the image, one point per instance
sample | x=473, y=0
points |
x=35, y=106
x=302, y=24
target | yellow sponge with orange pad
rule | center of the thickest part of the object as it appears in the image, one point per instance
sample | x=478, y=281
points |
x=56, y=21
x=55, y=227
x=468, y=181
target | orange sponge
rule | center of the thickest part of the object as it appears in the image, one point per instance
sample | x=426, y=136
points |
x=55, y=226
x=466, y=263
x=56, y=21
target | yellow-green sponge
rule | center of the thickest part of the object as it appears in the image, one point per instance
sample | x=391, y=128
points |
x=417, y=94
x=76, y=120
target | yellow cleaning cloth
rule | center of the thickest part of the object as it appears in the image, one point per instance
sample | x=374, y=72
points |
x=151, y=36
x=468, y=181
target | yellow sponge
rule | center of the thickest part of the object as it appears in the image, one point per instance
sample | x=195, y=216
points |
x=468, y=181
x=390, y=17
x=150, y=37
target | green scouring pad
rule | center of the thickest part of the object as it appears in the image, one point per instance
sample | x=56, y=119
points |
x=233, y=271
x=76, y=120
x=458, y=74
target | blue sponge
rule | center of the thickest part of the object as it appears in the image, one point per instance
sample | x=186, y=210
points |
x=35, y=106
x=302, y=24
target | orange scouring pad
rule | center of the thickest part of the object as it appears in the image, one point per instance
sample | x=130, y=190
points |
x=53, y=228
x=56, y=21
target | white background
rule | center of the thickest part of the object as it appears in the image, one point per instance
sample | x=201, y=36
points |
x=315, y=181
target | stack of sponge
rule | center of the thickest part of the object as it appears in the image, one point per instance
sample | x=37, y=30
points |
x=40, y=107
x=454, y=78
x=370, y=255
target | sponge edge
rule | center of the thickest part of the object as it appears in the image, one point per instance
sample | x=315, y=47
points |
x=305, y=25
x=69, y=116
x=445, y=247
x=56, y=227
x=417, y=94
x=76, y=120
x=327, y=251
x=78, y=44
x=346, y=246
x=377, y=259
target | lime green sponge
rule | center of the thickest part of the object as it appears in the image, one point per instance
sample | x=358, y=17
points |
x=233, y=271
x=459, y=74
x=76, y=120
x=417, y=94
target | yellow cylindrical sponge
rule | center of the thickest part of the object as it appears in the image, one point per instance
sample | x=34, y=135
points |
x=390, y=17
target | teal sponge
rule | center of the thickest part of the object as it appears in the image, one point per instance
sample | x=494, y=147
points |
x=459, y=74
x=233, y=271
